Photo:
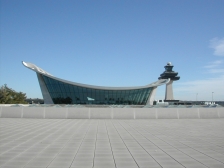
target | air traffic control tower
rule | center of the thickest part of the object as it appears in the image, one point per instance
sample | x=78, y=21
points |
x=169, y=73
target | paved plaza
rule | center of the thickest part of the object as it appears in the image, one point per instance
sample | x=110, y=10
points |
x=87, y=143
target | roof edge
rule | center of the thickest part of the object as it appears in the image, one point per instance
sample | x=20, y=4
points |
x=36, y=69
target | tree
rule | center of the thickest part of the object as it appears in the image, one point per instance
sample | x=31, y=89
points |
x=10, y=96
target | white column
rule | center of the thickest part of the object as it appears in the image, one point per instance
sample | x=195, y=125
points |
x=169, y=91
x=45, y=93
x=152, y=96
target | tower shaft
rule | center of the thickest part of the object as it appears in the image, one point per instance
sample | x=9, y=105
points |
x=172, y=75
x=169, y=91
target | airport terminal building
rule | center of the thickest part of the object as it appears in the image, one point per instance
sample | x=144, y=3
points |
x=59, y=91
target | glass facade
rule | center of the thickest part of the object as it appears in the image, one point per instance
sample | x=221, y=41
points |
x=64, y=93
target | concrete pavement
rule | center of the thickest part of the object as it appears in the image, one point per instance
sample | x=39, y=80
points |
x=100, y=143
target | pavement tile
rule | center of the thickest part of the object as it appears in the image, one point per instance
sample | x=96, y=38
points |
x=126, y=166
x=104, y=163
x=77, y=164
x=87, y=143
x=60, y=164
x=191, y=163
x=150, y=166
x=102, y=166
x=103, y=159
x=103, y=155
x=83, y=159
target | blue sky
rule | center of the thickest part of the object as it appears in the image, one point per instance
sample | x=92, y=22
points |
x=115, y=43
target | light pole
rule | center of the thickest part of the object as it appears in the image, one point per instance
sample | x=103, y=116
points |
x=196, y=96
x=212, y=96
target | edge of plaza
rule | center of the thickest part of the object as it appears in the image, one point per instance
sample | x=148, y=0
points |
x=58, y=112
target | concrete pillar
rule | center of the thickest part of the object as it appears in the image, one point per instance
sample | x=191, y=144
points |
x=169, y=91
x=152, y=96
x=45, y=93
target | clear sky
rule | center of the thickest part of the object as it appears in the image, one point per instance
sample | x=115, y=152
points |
x=115, y=43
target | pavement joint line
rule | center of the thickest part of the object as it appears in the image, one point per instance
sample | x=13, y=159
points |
x=67, y=140
x=186, y=153
x=126, y=146
x=5, y=138
x=80, y=145
x=208, y=141
x=165, y=151
x=182, y=151
x=95, y=144
x=142, y=147
x=200, y=152
x=110, y=144
x=43, y=149
x=23, y=151
x=18, y=138
x=119, y=142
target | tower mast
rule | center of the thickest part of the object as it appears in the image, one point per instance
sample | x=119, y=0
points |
x=169, y=73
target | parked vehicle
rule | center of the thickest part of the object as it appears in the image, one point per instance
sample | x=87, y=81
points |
x=210, y=103
x=161, y=102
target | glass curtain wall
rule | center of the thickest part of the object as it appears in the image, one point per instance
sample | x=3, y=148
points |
x=63, y=93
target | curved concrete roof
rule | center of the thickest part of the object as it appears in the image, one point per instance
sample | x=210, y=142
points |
x=43, y=72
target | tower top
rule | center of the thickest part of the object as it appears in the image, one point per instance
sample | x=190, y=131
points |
x=169, y=63
x=169, y=67
x=169, y=73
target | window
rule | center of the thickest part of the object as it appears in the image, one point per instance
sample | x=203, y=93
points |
x=63, y=93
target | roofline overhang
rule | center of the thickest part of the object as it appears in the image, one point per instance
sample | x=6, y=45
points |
x=45, y=73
